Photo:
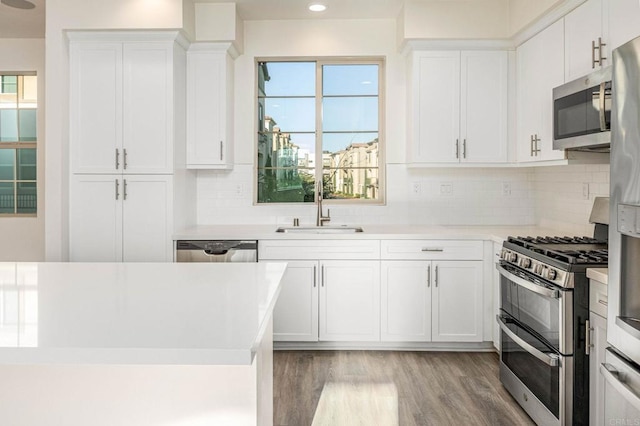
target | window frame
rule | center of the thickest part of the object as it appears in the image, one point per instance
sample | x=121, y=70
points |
x=18, y=145
x=318, y=160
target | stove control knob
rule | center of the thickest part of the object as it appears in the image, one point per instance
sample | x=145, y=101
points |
x=512, y=257
x=538, y=269
x=525, y=263
x=552, y=274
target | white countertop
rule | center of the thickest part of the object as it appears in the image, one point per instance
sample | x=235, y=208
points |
x=599, y=274
x=135, y=313
x=372, y=232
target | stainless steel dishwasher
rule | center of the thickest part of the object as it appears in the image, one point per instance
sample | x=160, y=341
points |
x=216, y=251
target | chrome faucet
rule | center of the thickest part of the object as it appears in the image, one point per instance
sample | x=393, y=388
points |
x=320, y=218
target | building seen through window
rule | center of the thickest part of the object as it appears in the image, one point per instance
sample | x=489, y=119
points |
x=318, y=121
x=18, y=139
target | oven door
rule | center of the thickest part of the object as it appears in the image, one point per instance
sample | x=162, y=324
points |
x=535, y=374
x=545, y=309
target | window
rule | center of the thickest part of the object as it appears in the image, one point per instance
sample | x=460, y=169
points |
x=319, y=121
x=18, y=138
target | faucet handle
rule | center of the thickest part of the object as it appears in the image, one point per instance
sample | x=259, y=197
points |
x=328, y=213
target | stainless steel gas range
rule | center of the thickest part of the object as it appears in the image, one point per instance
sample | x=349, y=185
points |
x=543, y=318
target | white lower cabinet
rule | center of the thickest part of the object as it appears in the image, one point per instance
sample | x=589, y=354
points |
x=295, y=317
x=116, y=218
x=432, y=301
x=598, y=327
x=350, y=300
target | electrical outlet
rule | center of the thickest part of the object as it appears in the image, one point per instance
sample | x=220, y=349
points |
x=585, y=191
x=416, y=188
x=446, y=189
x=506, y=188
x=239, y=189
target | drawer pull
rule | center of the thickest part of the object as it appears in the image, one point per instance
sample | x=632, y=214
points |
x=429, y=249
x=603, y=302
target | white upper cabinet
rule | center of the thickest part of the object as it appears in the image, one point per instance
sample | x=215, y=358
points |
x=594, y=29
x=540, y=68
x=121, y=103
x=209, y=106
x=459, y=107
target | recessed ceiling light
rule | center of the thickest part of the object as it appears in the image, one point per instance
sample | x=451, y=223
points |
x=317, y=7
x=18, y=4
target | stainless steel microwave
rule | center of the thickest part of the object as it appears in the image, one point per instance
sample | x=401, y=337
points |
x=582, y=113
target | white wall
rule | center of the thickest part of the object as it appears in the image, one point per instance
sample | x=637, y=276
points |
x=523, y=12
x=560, y=202
x=23, y=238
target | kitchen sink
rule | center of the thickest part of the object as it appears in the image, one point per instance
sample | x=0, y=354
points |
x=320, y=229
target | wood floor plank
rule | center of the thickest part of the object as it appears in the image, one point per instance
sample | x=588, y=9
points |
x=385, y=388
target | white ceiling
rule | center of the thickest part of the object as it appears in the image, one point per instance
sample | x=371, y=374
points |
x=21, y=23
x=17, y=23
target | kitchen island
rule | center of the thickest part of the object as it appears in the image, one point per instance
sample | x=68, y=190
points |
x=137, y=343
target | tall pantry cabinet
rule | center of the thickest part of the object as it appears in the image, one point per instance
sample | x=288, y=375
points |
x=127, y=144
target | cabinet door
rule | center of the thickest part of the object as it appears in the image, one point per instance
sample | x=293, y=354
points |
x=623, y=23
x=483, y=115
x=295, y=316
x=596, y=357
x=457, y=301
x=148, y=112
x=528, y=109
x=95, y=218
x=95, y=107
x=208, y=108
x=550, y=71
x=349, y=300
x=437, y=113
x=405, y=301
x=147, y=218
x=582, y=26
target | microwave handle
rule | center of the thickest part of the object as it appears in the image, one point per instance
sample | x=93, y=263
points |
x=603, y=95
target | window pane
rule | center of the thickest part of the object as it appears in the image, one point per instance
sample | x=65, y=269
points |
x=340, y=143
x=6, y=198
x=290, y=114
x=350, y=114
x=286, y=150
x=29, y=90
x=7, y=164
x=27, y=201
x=8, y=125
x=350, y=183
x=28, y=125
x=9, y=84
x=290, y=185
x=287, y=78
x=26, y=164
x=350, y=80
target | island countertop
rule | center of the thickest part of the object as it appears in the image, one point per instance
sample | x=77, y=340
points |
x=136, y=313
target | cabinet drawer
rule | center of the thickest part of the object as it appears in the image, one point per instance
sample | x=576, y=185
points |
x=598, y=298
x=319, y=249
x=431, y=250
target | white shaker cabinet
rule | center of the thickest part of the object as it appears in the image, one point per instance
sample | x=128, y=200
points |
x=459, y=107
x=210, y=106
x=427, y=298
x=295, y=316
x=121, y=104
x=598, y=301
x=349, y=300
x=540, y=68
x=585, y=47
x=115, y=218
x=622, y=22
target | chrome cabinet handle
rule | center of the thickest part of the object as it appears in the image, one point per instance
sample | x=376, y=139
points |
x=555, y=294
x=117, y=189
x=536, y=148
x=616, y=380
x=550, y=360
x=464, y=148
x=124, y=155
x=587, y=337
x=124, y=192
x=429, y=276
x=314, y=276
x=432, y=249
x=531, y=145
x=599, y=47
x=435, y=280
x=221, y=150
x=457, y=148
x=117, y=159
x=603, y=302
x=322, y=275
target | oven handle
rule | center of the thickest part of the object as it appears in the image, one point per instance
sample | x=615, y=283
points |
x=555, y=294
x=551, y=360
x=612, y=376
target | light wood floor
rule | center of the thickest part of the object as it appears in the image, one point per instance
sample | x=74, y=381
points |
x=380, y=388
